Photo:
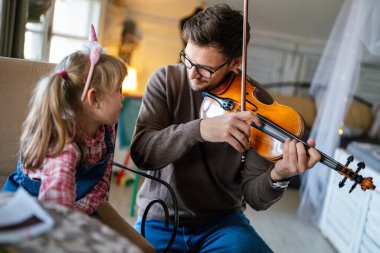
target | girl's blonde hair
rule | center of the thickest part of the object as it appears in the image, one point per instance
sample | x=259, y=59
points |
x=54, y=106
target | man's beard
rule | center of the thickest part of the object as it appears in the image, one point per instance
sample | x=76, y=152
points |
x=198, y=85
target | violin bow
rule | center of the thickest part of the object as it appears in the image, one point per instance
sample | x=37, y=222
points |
x=244, y=58
x=244, y=63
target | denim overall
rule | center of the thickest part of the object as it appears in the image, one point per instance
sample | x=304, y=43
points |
x=86, y=177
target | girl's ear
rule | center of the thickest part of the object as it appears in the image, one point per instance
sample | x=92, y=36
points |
x=93, y=97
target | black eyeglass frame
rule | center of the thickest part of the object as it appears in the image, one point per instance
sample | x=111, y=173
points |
x=183, y=57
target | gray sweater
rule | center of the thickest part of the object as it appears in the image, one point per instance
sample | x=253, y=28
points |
x=209, y=179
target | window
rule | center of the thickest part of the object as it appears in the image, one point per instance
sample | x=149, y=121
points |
x=61, y=30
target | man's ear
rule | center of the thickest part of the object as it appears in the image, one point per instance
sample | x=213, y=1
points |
x=93, y=97
x=235, y=64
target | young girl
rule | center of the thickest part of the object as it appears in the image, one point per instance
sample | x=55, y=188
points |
x=68, y=137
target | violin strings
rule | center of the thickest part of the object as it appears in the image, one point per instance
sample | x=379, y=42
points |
x=281, y=135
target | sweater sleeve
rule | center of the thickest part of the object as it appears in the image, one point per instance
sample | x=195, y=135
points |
x=161, y=137
x=256, y=182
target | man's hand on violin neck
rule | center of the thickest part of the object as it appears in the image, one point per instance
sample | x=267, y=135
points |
x=295, y=160
x=231, y=128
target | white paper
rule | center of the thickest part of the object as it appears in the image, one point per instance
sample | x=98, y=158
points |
x=20, y=207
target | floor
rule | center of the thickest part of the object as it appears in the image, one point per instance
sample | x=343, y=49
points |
x=279, y=226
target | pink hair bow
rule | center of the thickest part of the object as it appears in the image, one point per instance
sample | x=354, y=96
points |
x=95, y=51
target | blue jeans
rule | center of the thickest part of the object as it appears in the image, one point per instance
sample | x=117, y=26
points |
x=231, y=233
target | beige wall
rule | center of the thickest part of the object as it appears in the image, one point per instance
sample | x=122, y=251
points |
x=159, y=25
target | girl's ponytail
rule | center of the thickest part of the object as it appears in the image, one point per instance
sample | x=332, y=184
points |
x=50, y=121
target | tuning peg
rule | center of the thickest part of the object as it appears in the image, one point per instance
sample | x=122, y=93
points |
x=341, y=183
x=353, y=187
x=349, y=160
x=361, y=165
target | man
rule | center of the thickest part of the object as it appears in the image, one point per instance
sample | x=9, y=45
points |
x=201, y=158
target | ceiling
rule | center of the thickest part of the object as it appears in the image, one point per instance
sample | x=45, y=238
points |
x=304, y=18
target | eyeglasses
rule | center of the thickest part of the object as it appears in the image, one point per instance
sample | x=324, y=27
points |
x=204, y=71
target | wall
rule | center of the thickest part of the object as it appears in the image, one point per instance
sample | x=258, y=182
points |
x=159, y=25
x=288, y=38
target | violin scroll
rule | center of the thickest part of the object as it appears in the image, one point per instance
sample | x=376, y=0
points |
x=365, y=182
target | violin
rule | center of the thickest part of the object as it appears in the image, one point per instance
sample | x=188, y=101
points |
x=224, y=99
x=278, y=123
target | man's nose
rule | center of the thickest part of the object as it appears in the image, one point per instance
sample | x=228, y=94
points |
x=193, y=73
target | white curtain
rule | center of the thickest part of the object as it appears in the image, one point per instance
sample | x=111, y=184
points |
x=356, y=32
